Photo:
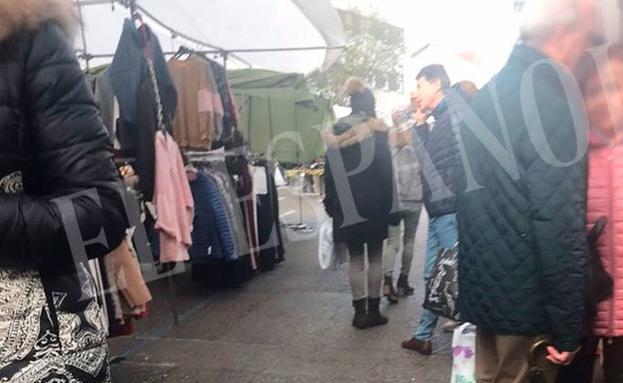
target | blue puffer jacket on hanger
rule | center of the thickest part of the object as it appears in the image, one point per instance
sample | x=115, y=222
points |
x=212, y=235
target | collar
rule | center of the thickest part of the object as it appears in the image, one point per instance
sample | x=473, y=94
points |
x=440, y=108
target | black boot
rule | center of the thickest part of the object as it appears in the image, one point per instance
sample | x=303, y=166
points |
x=374, y=315
x=403, y=286
x=360, y=320
x=388, y=290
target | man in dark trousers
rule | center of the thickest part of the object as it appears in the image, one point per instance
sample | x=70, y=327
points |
x=522, y=199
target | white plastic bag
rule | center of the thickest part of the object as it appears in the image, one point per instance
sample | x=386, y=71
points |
x=464, y=354
x=326, y=248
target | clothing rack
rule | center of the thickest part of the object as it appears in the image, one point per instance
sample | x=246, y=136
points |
x=136, y=10
x=212, y=49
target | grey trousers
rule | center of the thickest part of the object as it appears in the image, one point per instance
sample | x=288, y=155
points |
x=366, y=280
x=397, y=238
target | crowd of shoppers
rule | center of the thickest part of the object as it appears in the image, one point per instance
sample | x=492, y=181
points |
x=517, y=174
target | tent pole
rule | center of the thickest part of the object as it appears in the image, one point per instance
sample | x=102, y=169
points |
x=300, y=226
x=85, y=50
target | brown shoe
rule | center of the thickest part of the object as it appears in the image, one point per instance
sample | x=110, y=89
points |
x=423, y=347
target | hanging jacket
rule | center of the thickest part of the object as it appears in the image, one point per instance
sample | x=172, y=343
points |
x=129, y=66
x=134, y=88
x=605, y=198
x=173, y=200
x=52, y=145
x=522, y=266
x=370, y=190
x=212, y=235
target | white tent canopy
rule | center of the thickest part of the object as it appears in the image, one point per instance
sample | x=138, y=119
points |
x=230, y=25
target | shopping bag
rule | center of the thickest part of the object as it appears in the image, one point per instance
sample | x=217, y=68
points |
x=326, y=247
x=464, y=354
x=442, y=289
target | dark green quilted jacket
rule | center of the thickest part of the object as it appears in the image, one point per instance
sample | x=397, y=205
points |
x=522, y=214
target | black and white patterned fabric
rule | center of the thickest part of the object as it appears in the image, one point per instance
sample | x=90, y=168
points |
x=51, y=327
x=442, y=289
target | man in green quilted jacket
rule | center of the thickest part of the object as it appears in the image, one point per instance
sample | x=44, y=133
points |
x=522, y=199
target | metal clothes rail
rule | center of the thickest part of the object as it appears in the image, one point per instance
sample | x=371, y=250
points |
x=212, y=49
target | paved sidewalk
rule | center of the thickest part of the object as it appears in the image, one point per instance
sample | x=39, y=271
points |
x=290, y=325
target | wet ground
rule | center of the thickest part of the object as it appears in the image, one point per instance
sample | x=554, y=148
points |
x=290, y=325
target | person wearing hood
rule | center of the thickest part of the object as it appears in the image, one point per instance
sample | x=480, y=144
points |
x=59, y=201
x=359, y=198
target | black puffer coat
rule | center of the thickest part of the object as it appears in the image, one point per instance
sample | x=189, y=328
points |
x=438, y=153
x=53, y=147
x=522, y=217
x=360, y=204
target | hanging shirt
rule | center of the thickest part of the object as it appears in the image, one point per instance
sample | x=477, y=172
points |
x=199, y=103
x=173, y=200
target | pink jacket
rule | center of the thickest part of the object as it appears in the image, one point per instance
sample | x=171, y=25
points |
x=173, y=200
x=605, y=197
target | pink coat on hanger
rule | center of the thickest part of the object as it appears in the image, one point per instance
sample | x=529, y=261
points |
x=173, y=200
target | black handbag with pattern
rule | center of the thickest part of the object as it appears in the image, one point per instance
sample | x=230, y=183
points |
x=442, y=288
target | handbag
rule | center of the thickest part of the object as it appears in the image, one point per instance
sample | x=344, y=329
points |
x=442, y=288
x=326, y=247
x=600, y=285
x=535, y=372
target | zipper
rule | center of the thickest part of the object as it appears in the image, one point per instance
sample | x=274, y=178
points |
x=611, y=239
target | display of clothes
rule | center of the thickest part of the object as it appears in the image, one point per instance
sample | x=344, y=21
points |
x=173, y=201
x=208, y=213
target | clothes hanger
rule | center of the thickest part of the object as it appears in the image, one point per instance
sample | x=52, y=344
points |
x=183, y=51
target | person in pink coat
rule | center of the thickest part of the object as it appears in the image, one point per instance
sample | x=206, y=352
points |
x=603, y=93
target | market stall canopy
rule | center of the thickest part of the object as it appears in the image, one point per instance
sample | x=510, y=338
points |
x=279, y=115
x=231, y=25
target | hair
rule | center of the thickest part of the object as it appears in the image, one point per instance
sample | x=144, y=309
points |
x=353, y=85
x=539, y=18
x=363, y=102
x=435, y=72
x=588, y=68
x=466, y=89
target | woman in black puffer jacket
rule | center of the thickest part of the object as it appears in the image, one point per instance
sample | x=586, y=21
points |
x=58, y=194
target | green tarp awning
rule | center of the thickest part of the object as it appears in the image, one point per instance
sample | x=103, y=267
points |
x=279, y=115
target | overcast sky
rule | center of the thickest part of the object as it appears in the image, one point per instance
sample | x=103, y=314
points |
x=452, y=26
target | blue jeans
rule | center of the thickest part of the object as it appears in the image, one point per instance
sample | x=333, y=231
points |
x=442, y=234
